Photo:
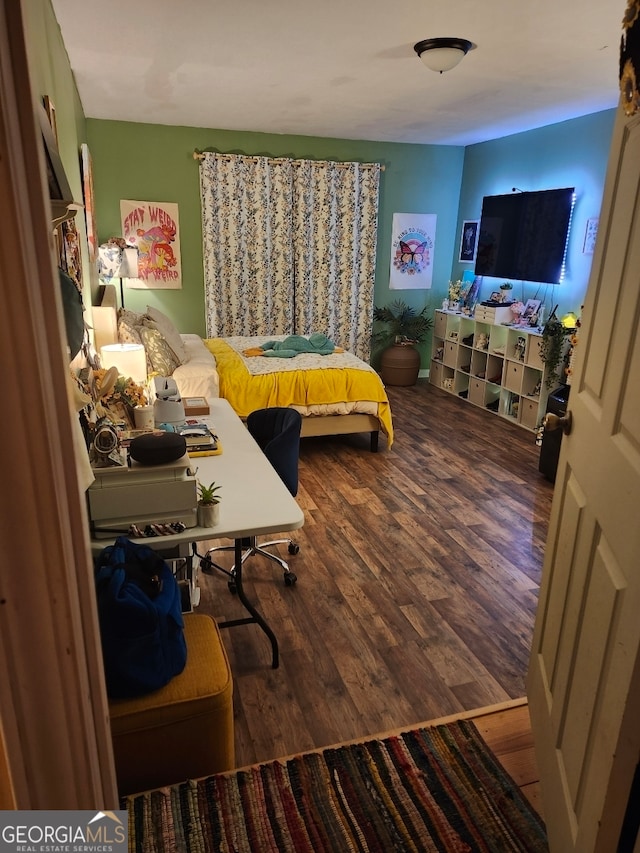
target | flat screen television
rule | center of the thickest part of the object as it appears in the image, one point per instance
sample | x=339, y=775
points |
x=523, y=235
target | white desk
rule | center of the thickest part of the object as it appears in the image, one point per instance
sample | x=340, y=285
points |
x=253, y=501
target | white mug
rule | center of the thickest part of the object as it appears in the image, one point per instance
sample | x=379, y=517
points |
x=143, y=417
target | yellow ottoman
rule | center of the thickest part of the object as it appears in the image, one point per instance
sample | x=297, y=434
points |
x=184, y=730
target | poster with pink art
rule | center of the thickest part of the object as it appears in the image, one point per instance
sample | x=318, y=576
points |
x=412, y=244
x=152, y=227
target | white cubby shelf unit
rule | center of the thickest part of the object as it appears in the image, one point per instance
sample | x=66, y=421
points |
x=494, y=366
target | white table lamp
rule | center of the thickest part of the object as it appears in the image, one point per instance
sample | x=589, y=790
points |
x=129, y=359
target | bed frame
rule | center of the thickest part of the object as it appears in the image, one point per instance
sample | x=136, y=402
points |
x=342, y=425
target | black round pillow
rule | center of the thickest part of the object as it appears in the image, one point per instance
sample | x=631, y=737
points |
x=158, y=448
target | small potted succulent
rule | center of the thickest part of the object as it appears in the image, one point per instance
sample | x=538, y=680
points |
x=208, y=505
x=505, y=291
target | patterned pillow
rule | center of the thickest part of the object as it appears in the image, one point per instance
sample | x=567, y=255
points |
x=128, y=323
x=160, y=357
x=169, y=332
x=128, y=334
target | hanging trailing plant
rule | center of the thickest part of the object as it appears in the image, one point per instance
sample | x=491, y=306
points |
x=553, y=348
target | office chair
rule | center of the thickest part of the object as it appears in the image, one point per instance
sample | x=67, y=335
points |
x=276, y=430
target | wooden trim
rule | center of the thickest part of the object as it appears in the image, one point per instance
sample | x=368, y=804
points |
x=54, y=717
x=475, y=714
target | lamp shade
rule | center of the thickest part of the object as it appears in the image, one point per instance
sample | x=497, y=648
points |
x=442, y=54
x=569, y=321
x=129, y=263
x=130, y=360
x=116, y=262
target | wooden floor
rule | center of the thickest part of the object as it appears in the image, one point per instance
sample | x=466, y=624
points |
x=507, y=731
x=418, y=578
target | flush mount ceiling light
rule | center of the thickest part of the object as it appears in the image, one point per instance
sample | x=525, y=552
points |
x=442, y=54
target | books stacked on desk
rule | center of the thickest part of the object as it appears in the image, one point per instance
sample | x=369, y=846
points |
x=199, y=438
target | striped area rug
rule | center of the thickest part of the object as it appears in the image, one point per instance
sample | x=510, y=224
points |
x=432, y=789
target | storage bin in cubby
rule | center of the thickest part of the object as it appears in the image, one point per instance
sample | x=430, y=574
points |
x=440, y=325
x=450, y=357
x=528, y=413
x=533, y=357
x=476, y=391
x=513, y=373
x=435, y=373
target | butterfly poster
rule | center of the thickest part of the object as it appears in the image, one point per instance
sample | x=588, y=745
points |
x=412, y=244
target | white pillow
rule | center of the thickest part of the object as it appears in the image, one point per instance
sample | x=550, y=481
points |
x=168, y=332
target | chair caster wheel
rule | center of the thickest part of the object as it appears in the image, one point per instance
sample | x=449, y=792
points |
x=293, y=548
x=290, y=579
x=232, y=587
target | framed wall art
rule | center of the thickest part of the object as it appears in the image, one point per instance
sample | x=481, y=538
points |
x=89, y=205
x=469, y=241
x=590, y=234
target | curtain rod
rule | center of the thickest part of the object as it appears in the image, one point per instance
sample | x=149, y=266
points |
x=199, y=155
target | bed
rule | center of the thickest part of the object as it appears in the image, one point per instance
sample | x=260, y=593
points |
x=336, y=394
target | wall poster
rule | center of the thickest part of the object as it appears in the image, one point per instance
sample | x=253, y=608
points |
x=412, y=245
x=152, y=226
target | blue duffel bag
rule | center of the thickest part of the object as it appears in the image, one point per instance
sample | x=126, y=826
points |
x=141, y=624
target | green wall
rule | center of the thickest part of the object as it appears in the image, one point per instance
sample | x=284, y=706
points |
x=155, y=163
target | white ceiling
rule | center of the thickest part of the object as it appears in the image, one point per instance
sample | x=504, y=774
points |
x=343, y=68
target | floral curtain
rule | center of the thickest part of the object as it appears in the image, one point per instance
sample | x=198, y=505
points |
x=335, y=227
x=246, y=227
x=290, y=247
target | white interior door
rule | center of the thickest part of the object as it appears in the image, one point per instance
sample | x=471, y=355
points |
x=584, y=672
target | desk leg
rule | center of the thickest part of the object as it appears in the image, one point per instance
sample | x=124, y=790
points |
x=255, y=616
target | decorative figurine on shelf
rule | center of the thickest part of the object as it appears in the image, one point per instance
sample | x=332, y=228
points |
x=483, y=341
x=517, y=310
x=520, y=347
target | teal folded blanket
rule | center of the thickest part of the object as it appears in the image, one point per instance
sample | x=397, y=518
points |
x=293, y=345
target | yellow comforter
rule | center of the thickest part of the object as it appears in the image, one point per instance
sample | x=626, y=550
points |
x=329, y=379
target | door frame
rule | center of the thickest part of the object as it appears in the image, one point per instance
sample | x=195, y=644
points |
x=55, y=744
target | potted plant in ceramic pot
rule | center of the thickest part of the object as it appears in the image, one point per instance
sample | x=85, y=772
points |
x=399, y=328
x=208, y=508
x=505, y=292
